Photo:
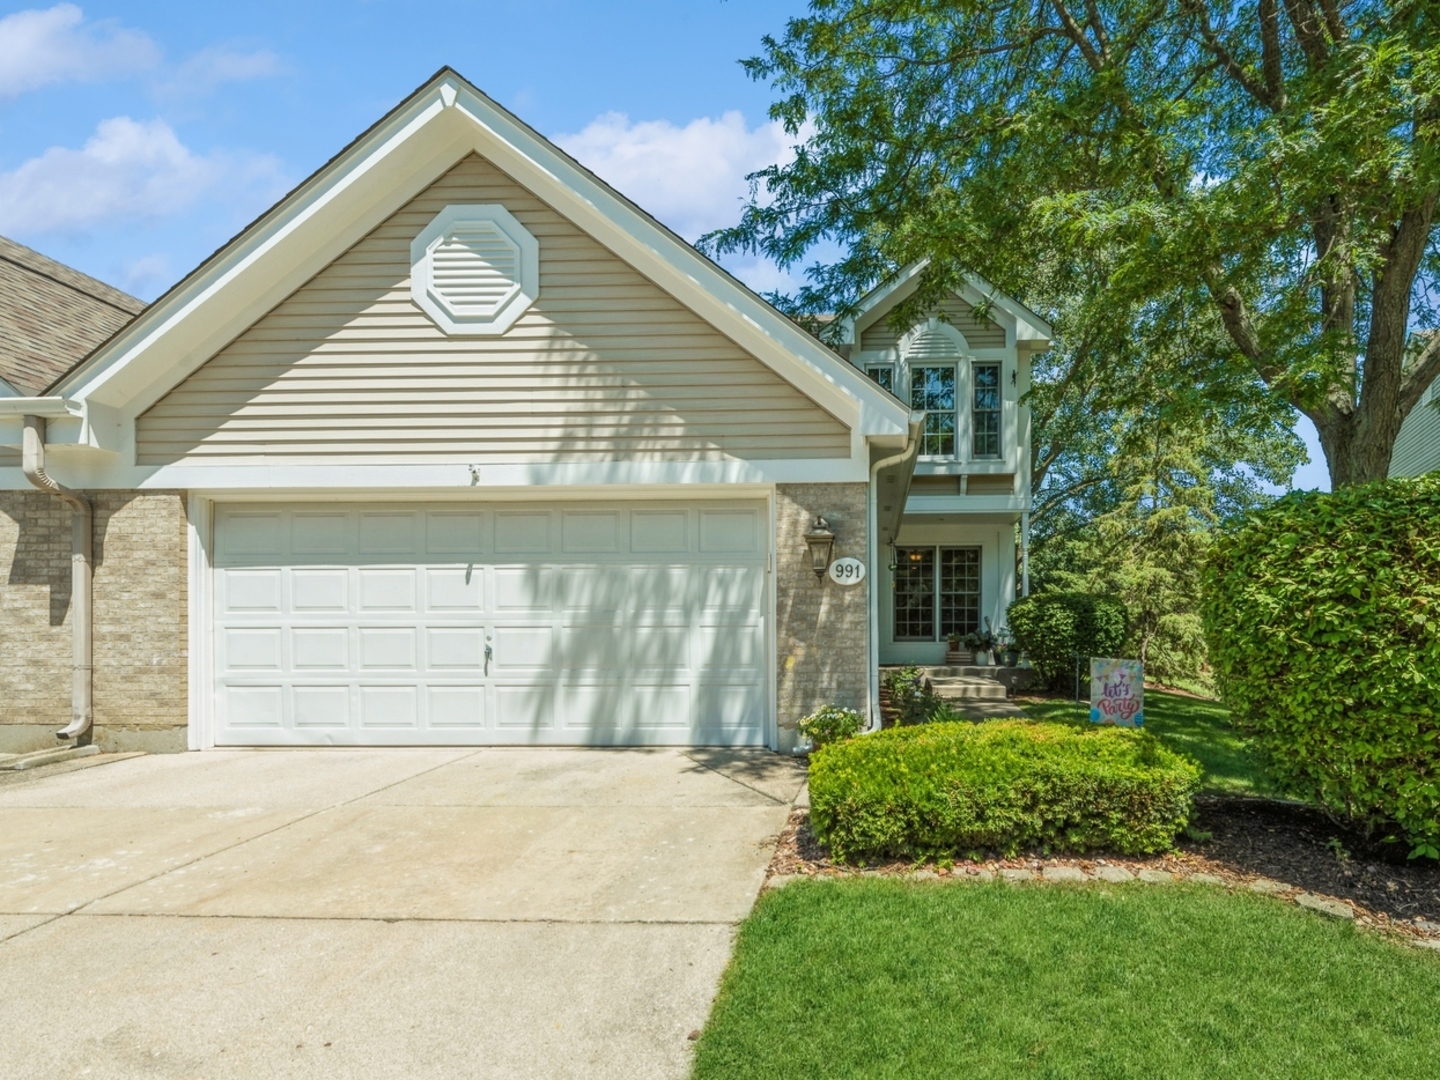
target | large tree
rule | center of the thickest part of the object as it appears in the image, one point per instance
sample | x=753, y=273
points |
x=1270, y=166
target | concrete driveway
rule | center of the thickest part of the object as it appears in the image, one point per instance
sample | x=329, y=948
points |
x=377, y=913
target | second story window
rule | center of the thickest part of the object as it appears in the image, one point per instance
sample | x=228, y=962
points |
x=883, y=374
x=985, y=411
x=932, y=388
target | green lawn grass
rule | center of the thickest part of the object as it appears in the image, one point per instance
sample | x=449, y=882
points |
x=882, y=978
x=1197, y=727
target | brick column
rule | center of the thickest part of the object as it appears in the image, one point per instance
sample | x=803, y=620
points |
x=821, y=629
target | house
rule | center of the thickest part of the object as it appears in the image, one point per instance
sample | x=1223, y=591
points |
x=456, y=445
x=1417, y=447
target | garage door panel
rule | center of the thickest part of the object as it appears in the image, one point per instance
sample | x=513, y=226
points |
x=388, y=533
x=247, y=707
x=455, y=532
x=590, y=532
x=327, y=533
x=387, y=648
x=659, y=708
x=322, y=706
x=456, y=707
x=454, y=588
x=388, y=706
x=608, y=624
x=252, y=590
x=387, y=590
x=524, y=589
x=592, y=648
x=320, y=648
x=320, y=590
x=522, y=532
x=256, y=648
x=456, y=648
x=526, y=707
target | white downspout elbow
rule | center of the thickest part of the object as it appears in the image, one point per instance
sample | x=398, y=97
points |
x=82, y=705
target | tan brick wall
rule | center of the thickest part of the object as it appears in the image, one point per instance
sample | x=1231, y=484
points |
x=821, y=628
x=141, y=694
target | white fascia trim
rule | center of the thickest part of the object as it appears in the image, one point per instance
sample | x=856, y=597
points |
x=1027, y=326
x=683, y=272
x=966, y=504
x=436, y=478
x=177, y=334
x=39, y=406
x=380, y=174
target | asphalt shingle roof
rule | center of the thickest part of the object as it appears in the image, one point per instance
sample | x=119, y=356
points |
x=51, y=316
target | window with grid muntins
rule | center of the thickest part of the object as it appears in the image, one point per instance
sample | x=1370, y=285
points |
x=915, y=594
x=959, y=591
x=885, y=376
x=985, y=411
x=933, y=389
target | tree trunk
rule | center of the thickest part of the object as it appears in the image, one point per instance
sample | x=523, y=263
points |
x=1357, y=453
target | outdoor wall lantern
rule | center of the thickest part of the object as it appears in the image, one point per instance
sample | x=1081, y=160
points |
x=821, y=541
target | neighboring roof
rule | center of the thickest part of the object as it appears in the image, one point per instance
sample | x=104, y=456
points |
x=358, y=188
x=51, y=316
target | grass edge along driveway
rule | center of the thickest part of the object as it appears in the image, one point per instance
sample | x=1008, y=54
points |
x=885, y=978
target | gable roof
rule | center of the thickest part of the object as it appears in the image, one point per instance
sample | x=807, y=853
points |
x=441, y=122
x=1014, y=315
x=51, y=316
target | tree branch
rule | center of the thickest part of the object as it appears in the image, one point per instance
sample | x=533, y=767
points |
x=1271, y=62
x=1236, y=70
x=1423, y=371
x=1077, y=35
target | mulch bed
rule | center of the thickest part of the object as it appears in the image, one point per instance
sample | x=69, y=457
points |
x=1288, y=849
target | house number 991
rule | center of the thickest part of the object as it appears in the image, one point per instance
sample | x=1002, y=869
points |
x=847, y=571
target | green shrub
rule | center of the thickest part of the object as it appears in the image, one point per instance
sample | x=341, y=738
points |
x=1004, y=785
x=1051, y=627
x=1322, y=614
x=830, y=723
x=912, y=697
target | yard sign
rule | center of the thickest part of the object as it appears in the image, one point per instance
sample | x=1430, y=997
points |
x=1117, y=692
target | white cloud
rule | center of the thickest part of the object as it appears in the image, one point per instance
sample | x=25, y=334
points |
x=127, y=171
x=38, y=48
x=208, y=68
x=693, y=177
x=143, y=277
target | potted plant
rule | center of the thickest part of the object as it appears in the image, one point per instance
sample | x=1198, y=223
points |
x=984, y=642
x=1009, y=654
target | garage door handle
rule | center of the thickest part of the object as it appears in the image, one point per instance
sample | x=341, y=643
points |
x=489, y=652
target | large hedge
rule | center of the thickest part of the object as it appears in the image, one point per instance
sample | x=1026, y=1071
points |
x=959, y=788
x=1322, y=614
x=1053, y=626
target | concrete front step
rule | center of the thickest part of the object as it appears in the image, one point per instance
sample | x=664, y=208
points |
x=958, y=687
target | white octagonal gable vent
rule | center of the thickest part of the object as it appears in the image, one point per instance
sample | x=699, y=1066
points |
x=474, y=269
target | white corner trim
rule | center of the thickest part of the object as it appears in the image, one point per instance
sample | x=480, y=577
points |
x=199, y=518
x=474, y=269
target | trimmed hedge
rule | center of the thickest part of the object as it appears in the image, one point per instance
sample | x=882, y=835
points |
x=958, y=788
x=1322, y=614
x=1052, y=626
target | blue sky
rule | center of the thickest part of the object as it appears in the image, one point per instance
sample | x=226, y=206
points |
x=135, y=138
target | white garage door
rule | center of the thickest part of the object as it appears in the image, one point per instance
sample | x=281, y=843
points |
x=432, y=625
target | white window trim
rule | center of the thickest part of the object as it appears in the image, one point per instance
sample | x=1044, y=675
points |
x=999, y=410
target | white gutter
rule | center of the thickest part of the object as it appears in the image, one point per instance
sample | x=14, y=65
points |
x=912, y=447
x=82, y=708
x=53, y=407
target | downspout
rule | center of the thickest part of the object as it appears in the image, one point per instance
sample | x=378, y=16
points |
x=912, y=447
x=1025, y=553
x=82, y=707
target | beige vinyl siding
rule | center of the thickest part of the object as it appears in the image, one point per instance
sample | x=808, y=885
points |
x=986, y=334
x=1417, y=449
x=605, y=365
